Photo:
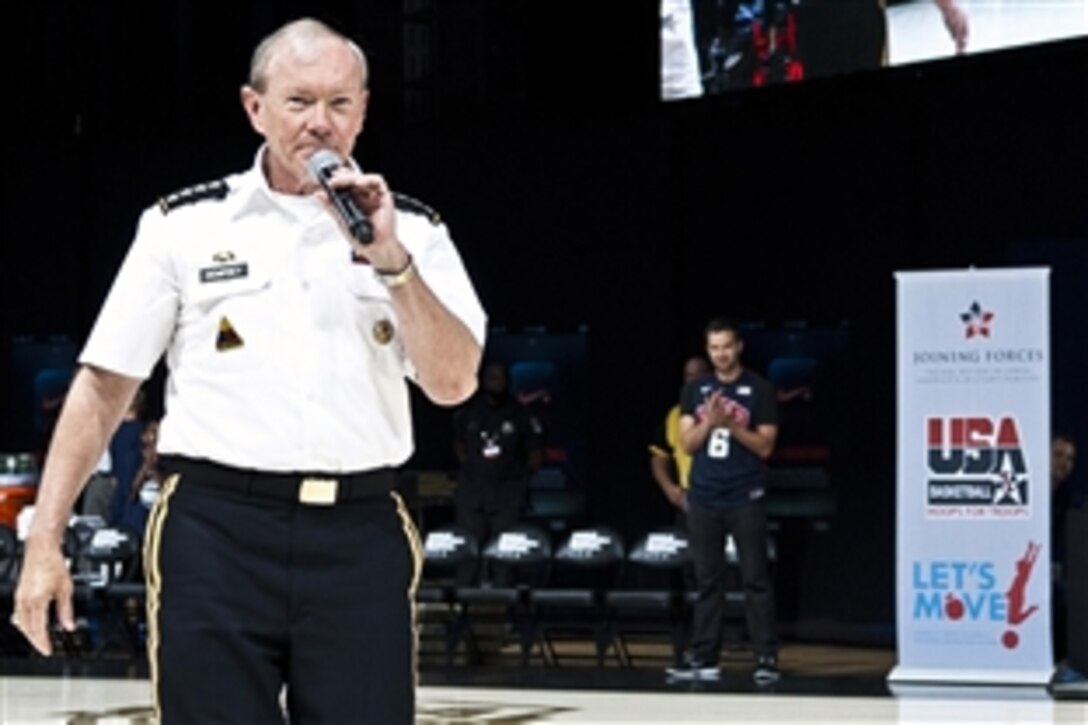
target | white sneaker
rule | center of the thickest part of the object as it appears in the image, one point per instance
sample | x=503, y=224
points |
x=693, y=669
x=766, y=671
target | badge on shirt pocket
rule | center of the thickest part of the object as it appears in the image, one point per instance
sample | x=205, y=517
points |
x=228, y=338
x=383, y=332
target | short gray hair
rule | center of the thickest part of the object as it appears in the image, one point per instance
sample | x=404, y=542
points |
x=304, y=32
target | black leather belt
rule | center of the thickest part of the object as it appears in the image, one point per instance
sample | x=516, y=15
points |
x=312, y=489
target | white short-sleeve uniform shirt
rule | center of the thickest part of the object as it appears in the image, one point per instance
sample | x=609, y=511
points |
x=283, y=353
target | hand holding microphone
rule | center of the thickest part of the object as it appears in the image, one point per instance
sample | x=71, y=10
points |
x=365, y=206
x=321, y=166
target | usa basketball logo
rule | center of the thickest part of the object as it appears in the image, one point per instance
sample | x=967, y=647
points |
x=976, y=468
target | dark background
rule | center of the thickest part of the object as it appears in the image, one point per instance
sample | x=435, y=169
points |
x=577, y=198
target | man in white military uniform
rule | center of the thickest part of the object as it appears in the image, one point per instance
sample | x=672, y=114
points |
x=277, y=554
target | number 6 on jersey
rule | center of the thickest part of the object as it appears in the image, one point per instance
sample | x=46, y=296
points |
x=718, y=445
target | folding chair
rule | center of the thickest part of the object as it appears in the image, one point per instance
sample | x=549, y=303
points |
x=651, y=596
x=526, y=552
x=9, y=564
x=11, y=641
x=114, y=587
x=584, y=567
x=445, y=548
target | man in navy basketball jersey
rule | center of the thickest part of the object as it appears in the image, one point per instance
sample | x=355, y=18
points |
x=729, y=423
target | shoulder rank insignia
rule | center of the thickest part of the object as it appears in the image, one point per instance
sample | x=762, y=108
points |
x=415, y=206
x=190, y=195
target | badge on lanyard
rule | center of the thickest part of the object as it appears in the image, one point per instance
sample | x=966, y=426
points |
x=491, y=447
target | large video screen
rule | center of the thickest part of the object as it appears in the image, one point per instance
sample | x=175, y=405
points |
x=710, y=47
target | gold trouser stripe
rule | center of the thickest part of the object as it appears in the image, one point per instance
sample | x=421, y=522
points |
x=153, y=583
x=416, y=546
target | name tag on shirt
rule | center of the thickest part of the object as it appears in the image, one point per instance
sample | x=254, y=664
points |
x=224, y=272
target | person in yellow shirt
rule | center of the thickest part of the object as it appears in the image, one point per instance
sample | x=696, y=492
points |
x=670, y=465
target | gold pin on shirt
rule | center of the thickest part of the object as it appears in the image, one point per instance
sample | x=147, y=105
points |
x=228, y=338
x=383, y=332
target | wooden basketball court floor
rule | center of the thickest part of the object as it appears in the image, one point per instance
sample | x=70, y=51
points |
x=820, y=684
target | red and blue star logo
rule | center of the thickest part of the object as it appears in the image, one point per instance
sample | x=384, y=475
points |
x=976, y=321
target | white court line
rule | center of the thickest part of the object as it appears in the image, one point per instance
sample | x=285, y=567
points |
x=37, y=701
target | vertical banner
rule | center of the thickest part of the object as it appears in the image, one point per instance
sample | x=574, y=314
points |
x=973, y=493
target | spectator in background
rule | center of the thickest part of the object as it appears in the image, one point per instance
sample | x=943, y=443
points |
x=127, y=452
x=670, y=464
x=497, y=443
x=1063, y=452
x=146, y=482
x=99, y=490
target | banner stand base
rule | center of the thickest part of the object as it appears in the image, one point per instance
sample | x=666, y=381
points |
x=939, y=676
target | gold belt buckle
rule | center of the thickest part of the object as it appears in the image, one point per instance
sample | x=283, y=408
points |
x=318, y=491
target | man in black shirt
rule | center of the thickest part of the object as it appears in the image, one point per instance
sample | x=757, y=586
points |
x=497, y=442
x=729, y=425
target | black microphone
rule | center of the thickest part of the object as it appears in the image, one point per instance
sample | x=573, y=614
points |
x=321, y=166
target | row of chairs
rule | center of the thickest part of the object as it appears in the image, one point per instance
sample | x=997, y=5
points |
x=104, y=562
x=589, y=583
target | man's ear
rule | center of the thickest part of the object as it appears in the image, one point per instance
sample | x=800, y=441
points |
x=253, y=103
x=362, y=116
